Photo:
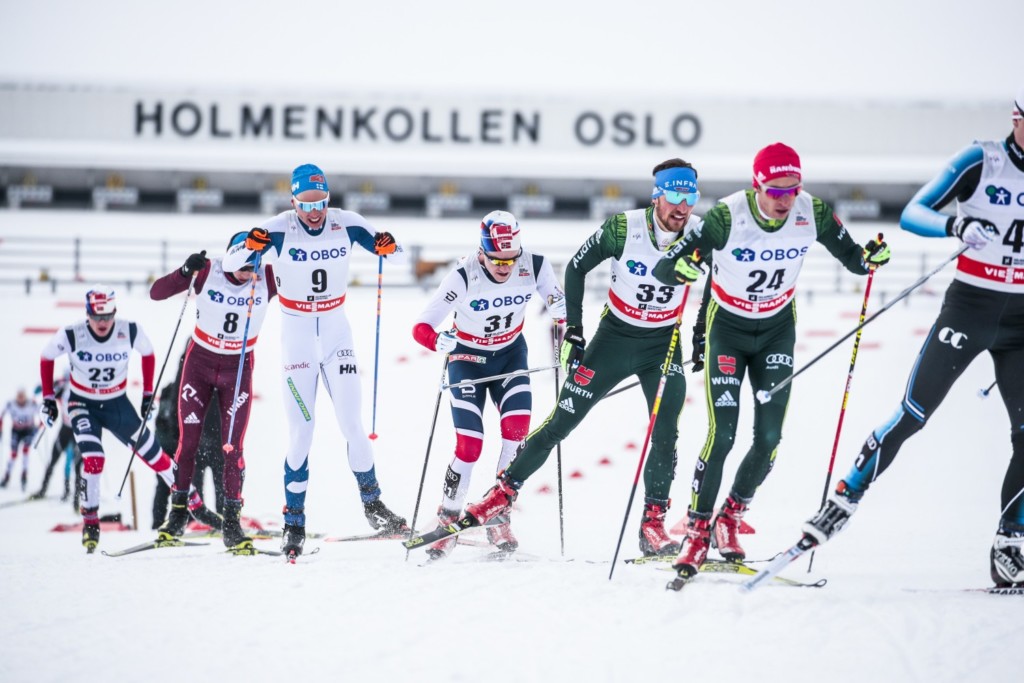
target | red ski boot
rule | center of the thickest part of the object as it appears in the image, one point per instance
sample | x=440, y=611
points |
x=695, y=547
x=725, y=533
x=654, y=540
x=497, y=501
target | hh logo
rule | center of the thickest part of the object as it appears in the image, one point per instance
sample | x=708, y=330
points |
x=583, y=376
x=637, y=268
x=347, y=369
x=998, y=195
x=215, y=296
x=727, y=364
x=297, y=254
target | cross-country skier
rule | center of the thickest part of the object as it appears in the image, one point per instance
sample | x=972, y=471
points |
x=756, y=240
x=632, y=339
x=489, y=291
x=210, y=371
x=99, y=349
x=983, y=310
x=24, y=418
x=310, y=247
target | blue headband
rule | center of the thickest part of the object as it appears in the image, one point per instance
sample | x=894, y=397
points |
x=678, y=179
x=308, y=177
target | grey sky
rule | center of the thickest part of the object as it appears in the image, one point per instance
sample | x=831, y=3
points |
x=937, y=50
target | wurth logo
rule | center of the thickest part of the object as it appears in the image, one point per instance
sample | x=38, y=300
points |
x=727, y=364
x=583, y=376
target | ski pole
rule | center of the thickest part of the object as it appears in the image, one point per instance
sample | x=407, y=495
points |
x=170, y=347
x=376, y=349
x=228, y=447
x=765, y=396
x=42, y=431
x=983, y=393
x=846, y=397
x=558, y=446
x=426, y=457
x=467, y=382
x=665, y=368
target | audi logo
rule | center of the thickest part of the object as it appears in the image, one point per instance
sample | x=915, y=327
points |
x=779, y=359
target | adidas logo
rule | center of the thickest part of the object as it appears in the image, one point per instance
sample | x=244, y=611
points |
x=725, y=399
x=191, y=419
x=566, y=405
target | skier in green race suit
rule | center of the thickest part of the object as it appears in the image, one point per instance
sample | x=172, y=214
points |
x=756, y=240
x=632, y=339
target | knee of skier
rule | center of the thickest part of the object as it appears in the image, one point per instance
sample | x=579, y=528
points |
x=92, y=464
x=468, y=448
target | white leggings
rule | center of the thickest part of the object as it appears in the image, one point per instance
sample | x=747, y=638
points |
x=312, y=347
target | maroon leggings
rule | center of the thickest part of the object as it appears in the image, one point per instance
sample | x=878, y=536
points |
x=204, y=372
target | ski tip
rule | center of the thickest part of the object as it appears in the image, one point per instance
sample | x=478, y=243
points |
x=677, y=584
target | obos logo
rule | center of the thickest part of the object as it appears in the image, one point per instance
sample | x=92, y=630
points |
x=997, y=195
x=636, y=268
x=215, y=296
x=317, y=254
x=743, y=255
x=297, y=254
x=479, y=304
x=84, y=356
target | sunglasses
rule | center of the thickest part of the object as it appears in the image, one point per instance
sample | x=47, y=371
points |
x=782, y=192
x=306, y=207
x=673, y=197
x=503, y=261
x=101, y=318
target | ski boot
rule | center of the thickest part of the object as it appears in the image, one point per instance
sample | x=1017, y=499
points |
x=6, y=480
x=501, y=536
x=832, y=518
x=1007, y=563
x=497, y=501
x=293, y=537
x=444, y=547
x=726, y=528
x=203, y=514
x=654, y=540
x=695, y=545
x=235, y=539
x=90, y=529
x=383, y=519
x=170, y=531
x=24, y=481
x=67, y=491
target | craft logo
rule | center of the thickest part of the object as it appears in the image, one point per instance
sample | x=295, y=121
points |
x=583, y=376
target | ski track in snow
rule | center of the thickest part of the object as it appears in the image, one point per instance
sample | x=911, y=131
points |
x=359, y=611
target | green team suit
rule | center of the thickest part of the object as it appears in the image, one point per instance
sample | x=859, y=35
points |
x=751, y=324
x=632, y=339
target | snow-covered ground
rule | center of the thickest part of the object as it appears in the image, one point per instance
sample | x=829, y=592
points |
x=361, y=611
